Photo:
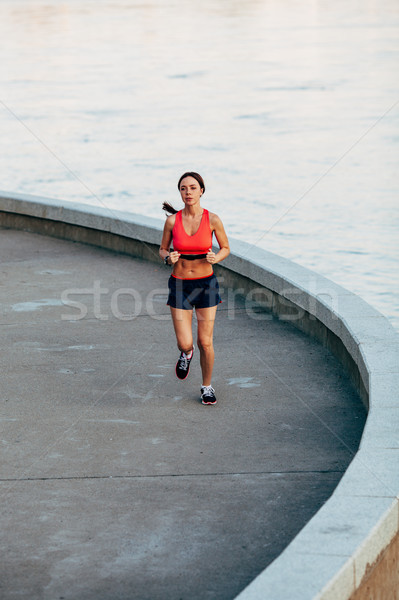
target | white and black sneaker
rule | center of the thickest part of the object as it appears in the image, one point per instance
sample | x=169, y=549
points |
x=208, y=395
x=183, y=364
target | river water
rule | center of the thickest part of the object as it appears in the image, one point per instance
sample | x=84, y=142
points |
x=289, y=109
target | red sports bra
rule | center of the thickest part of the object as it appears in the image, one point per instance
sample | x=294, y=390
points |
x=199, y=243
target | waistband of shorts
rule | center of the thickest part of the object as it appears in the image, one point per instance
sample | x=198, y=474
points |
x=194, y=278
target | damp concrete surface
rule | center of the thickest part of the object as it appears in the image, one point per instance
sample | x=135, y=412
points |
x=115, y=481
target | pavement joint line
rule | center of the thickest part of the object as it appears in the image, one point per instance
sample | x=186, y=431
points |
x=64, y=433
x=171, y=475
x=362, y=462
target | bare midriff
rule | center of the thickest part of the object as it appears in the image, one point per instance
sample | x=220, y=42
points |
x=192, y=269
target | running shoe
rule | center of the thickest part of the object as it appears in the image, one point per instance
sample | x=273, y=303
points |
x=208, y=395
x=183, y=365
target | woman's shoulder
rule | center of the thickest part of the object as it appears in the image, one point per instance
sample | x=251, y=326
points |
x=170, y=221
x=214, y=219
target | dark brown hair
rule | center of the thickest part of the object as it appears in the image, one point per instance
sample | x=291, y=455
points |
x=196, y=176
x=168, y=207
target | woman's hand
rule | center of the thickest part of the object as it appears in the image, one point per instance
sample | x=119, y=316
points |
x=211, y=256
x=174, y=257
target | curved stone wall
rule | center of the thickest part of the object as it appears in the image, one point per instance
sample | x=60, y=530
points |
x=351, y=534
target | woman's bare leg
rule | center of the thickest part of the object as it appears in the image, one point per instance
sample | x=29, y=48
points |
x=182, y=323
x=206, y=322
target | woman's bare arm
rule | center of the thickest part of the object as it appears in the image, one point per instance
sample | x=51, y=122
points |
x=164, y=249
x=220, y=234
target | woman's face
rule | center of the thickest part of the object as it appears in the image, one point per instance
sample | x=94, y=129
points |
x=190, y=191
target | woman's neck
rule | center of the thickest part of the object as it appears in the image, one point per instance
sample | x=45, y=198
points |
x=192, y=211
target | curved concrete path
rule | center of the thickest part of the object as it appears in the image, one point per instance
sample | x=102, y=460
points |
x=116, y=483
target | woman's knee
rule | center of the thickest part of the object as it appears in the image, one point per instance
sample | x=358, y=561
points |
x=205, y=344
x=185, y=344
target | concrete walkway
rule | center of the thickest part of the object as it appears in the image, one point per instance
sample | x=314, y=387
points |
x=116, y=483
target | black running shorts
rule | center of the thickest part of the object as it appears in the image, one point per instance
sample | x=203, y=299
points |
x=190, y=293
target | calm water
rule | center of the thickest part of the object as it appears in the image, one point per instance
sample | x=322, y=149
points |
x=289, y=109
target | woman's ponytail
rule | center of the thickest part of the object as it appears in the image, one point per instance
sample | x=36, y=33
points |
x=169, y=208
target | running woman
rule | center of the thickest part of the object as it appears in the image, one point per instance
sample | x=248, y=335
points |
x=192, y=283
